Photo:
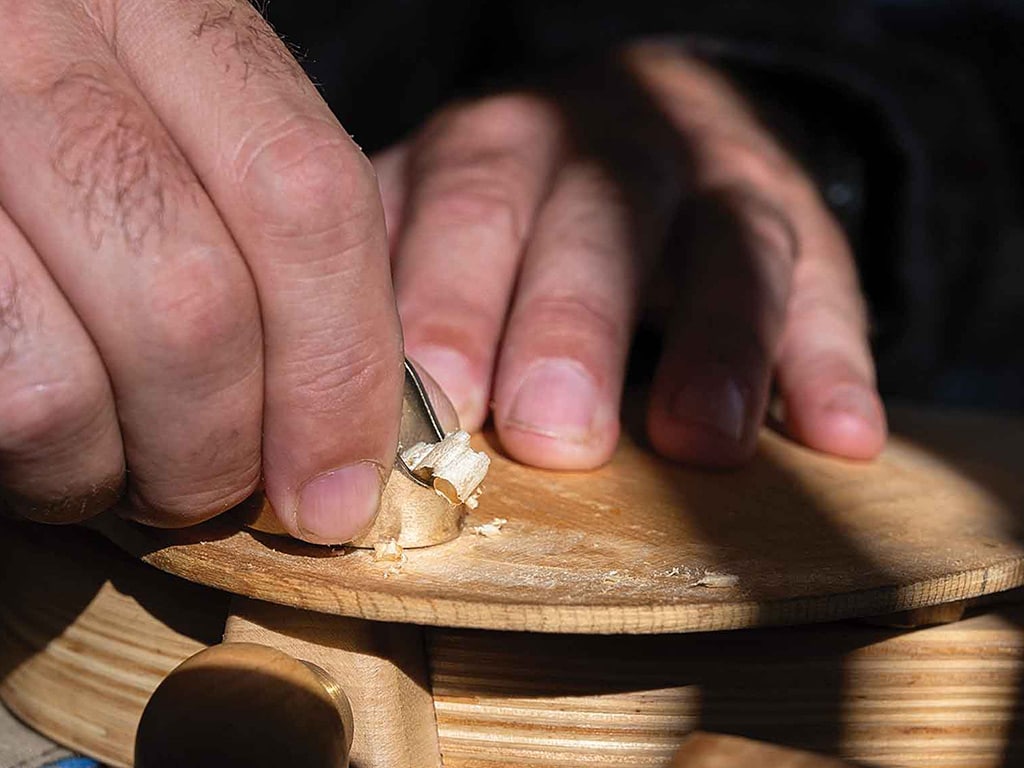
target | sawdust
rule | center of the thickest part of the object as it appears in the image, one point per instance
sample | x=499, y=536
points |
x=391, y=552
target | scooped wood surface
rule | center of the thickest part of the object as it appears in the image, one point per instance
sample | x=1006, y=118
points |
x=642, y=546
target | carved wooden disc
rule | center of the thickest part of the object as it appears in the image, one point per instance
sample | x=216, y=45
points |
x=642, y=546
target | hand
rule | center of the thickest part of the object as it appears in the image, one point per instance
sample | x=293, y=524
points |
x=524, y=228
x=194, y=281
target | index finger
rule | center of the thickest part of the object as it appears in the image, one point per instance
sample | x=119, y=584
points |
x=303, y=205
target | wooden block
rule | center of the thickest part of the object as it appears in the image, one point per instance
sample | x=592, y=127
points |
x=380, y=667
x=946, y=613
x=943, y=696
x=86, y=635
x=643, y=546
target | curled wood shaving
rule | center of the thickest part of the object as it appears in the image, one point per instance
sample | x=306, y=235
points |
x=451, y=466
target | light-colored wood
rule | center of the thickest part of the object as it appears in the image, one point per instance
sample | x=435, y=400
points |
x=381, y=667
x=451, y=466
x=410, y=513
x=80, y=655
x=794, y=537
x=945, y=696
x=715, y=750
x=86, y=635
x=241, y=705
x=930, y=615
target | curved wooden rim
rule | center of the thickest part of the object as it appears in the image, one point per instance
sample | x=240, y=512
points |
x=608, y=619
x=800, y=537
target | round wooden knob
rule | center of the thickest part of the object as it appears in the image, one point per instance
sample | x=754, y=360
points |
x=242, y=704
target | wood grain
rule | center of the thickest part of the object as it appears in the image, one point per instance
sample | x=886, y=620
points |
x=715, y=750
x=794, y=537
x=86, y=635
x=945, y=696
x=381, y=667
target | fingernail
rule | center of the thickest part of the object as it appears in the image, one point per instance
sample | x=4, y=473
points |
x=558, y=398
x=337, y=506
x=713, y=400
x=854, y=401
x=452, y=370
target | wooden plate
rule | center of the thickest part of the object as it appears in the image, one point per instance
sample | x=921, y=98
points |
x=643, y=546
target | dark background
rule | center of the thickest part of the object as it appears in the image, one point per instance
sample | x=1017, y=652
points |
x=908, y=113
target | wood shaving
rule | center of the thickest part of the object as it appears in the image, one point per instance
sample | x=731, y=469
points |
x=718, y=580
x=451, y=466
x=490, y=529
x=388, y=551
x=699, y=577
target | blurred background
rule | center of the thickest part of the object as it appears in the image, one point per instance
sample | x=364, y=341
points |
x=906, y=112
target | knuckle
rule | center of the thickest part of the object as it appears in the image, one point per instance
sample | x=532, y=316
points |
x=220, y=468
x=506, y=120
x=577, y=321
x=822, y=364
x=755, y=245
x=326, y=378
x=120, y=166
x=482, y=201
x=192, y=503
x=466, y=323
x=199, y=304
x=73, y=507
x=845, y=314
x=305, y=179
x=753, y=162
x=39, y=416
x=481, y=165
x=716, y=334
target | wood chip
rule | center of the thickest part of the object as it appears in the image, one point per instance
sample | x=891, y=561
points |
x=451, y=466
x=388, y=551
x=490, y=529
x=713, y=580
